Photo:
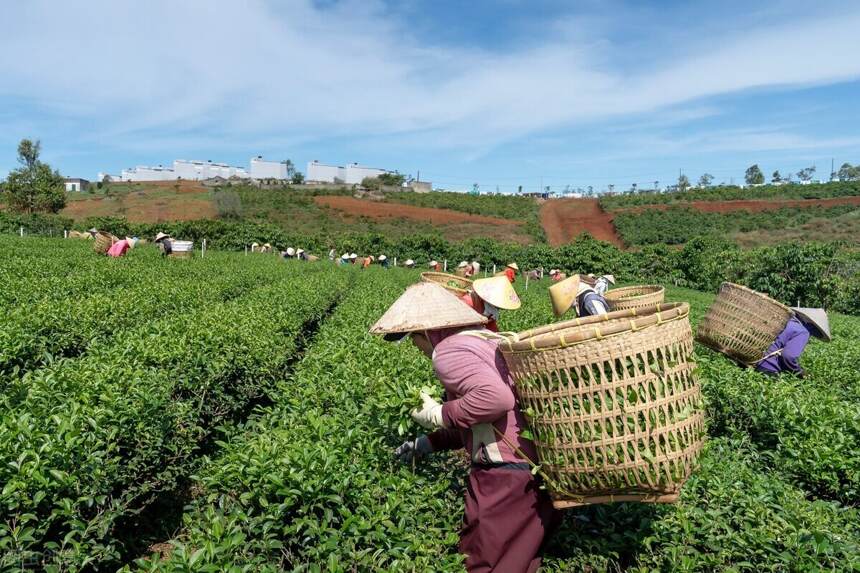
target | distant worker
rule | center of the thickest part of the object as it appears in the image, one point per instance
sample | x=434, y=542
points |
x=511, y=271
x=578, y=292
x=366, y=262
x=93, y=232
x=476, y=268
x=267, y=248
x=291, y=252
x=164, y=243
x=409, y=264
x=353, y=258
x=301, y=255
x=435, y=266
x=601, y=285
x=119, y=248
x=556, y=275
x=461, y=269
x=784, y=354
x=383, y=261
x=344, y=259
x=332, y=254
x=489, y=296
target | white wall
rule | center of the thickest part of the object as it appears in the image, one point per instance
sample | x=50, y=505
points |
x=262, y=169
x=142, y=173
x=324, y=173
x=355, y=173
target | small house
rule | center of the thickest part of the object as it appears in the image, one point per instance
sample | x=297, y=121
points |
x=76, y=184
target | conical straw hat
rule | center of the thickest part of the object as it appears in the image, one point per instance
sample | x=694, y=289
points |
x=815, y=318
x=609, y=278
x=514, y=266
x=563, y=293
x=498, y=292
x=426, y=306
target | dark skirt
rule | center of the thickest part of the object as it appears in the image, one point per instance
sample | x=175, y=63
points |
x=507, y=519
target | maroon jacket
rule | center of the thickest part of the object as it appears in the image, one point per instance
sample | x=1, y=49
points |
x=480, y=394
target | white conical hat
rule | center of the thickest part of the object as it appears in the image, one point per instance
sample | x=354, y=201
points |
x=433, y=263
x=563, y=294
x=291, y=251
x=815, y=318
x=345, y=256
x=497, y=291
x=160, y=236
x=382, y=257
x=514, y=266
x=462, y=265
x=409, y=262
x=426, y=306
x=609, y=278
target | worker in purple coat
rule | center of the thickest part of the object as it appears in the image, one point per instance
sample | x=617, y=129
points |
x=784, y=354
x=507, y=515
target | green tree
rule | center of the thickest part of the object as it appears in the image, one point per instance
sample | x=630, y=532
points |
x=392, y=179
x=34, y=187
x=705, y=180
x=753, y=175
x=371, y=183
x=806, y=173
x=297, y=178
x=848, y=172
x=291, y=168
x=776, y=178
x=683, y=182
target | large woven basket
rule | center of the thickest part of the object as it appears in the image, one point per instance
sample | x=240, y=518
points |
x=742, y=323
x=638, y=296
x=180, y=255
x=104, y=242
x=613, y=404
x=453, y=283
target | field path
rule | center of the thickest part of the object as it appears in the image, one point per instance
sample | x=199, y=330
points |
x=565, y=219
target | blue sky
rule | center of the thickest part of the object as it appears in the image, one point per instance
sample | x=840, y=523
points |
x=503, y=93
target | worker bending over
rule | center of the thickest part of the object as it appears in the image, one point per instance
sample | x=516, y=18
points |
x=490, y=296
x=507, y=514
x=784, y=354
x=578, y=292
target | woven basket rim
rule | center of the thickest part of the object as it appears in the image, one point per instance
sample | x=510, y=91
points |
x=755, y=293
x=580, y=330
x=443, y=278
x=619, y=294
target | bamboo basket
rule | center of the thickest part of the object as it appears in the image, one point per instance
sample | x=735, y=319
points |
x=613, y=404
x=453, y=283
x=180, y=255
x=742, y=323
x=103, y=243
x=638, y=296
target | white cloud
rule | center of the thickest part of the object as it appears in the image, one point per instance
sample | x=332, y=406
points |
x=252, y=70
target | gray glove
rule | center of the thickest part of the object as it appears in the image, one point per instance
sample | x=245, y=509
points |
x=414, y=449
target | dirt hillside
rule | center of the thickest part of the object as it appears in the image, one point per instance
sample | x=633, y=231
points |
x=748, y=205
x=565, y=219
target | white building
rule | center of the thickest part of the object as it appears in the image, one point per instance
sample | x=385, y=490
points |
x=351, y=174
x=193, y=170
x=262, y=169
x=199, y=170
x=143, y=173
x=73, y=184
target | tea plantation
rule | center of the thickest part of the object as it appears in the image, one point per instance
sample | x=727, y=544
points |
x=232, y=413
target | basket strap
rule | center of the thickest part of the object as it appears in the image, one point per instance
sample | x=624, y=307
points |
x=536, y=469
x=765, y=357
x=489, y=335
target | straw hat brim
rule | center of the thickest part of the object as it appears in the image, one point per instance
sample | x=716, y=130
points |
x=816, y=319
x=610, y=278
x=563, y=293
x=514, y=266
x=498, y=292
x=426, y=306
x=160, y=236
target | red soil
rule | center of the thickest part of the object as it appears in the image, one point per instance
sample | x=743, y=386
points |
x=380, y=210
x=565, y=219
x=749, y=204
x=149, y=202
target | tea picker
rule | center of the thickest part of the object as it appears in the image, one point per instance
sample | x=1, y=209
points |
x=784, y=354
x=507, y=514
x=490, y=296
x=577, y=292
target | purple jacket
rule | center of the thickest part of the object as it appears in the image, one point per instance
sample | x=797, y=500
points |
x=480, y=394
x=792, y=340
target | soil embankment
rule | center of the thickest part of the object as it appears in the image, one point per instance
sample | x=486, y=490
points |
x=565, y=219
